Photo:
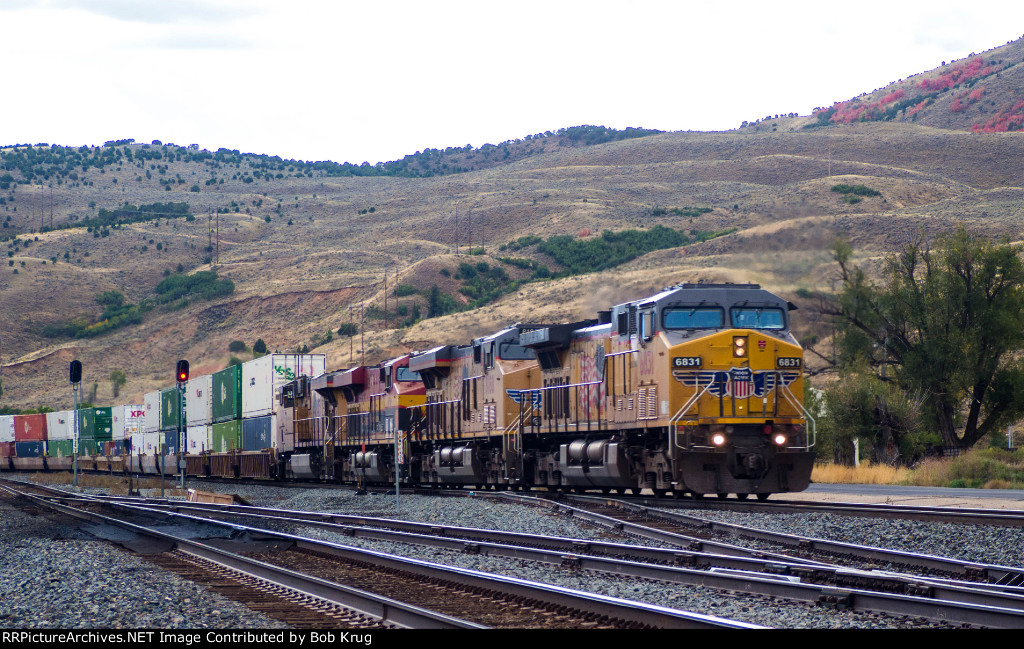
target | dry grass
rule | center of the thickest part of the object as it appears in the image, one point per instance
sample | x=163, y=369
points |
x=866, y=473
x=979, y=468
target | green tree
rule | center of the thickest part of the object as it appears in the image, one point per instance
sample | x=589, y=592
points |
x=946, y=325
x=117, y=381
x=236, y=346
x=348, y=329
x=259, y=347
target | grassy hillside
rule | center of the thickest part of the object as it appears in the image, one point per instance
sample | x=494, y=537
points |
x=309, y=250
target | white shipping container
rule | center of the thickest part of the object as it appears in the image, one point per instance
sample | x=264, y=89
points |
x=6, y=428
x=151, y=417
x=133, y=415
x=199, y=401
x=151, y=443
x=197, y=439
x=60, y=425
x=263, y=377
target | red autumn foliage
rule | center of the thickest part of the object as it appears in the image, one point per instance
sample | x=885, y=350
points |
x=1009, y=118
x=961, y=103
x=975, y=68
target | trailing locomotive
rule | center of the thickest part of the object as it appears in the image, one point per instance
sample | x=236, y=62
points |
x=695, y=390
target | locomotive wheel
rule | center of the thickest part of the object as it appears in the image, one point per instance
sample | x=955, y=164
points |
x=659, y=493
x=763, y=497
x=742, y=496
x=722, y=495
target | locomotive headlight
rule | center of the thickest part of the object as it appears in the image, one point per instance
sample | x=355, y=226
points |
x=780, y=440
x=739, y=346
x=718, y=439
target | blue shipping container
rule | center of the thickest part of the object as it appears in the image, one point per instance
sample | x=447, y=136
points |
x=29, y=449
x=171, y=441
x=256, y=433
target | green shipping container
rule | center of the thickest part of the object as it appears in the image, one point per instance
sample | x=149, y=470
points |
x=96, y=423
x=227, y=394
x=227, y=436
x=170, y=409
x=61, y=448
x=90, y=447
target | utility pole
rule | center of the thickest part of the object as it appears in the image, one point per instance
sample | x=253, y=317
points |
x=456, y=227
x=385, y=297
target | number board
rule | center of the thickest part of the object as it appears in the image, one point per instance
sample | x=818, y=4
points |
x=687, y=361
x=789, y=362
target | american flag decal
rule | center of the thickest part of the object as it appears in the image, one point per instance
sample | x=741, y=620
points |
x=739, y=382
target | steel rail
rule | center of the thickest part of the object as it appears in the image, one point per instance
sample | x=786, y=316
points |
x=635, y=612
x=927, y=514
x=688, y=568
x=951, y=602
x=987, y=572
x=382, y=608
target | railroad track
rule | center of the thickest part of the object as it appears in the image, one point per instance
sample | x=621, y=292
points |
x=485, y=600
x=657, y=523
x=928, y=514
x=814, y=583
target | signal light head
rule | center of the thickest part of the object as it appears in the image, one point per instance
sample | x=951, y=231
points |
x=181, y=373
x=739, y=346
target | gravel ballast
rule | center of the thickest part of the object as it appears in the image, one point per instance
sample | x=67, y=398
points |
x=21, y=602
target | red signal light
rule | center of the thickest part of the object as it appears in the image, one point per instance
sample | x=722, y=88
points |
x=182, y=371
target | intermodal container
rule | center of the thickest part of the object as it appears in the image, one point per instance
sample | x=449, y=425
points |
x=126, y=420
x=151, y=416
x=197, y=439
x=29, y=428
x=60, y=448
x=199, y=401
x=147, y=444
x=96, y=423
x=6, y=429
x=6, y=449
x=60, y=425
x=226, y=436
x=29, y=449
x=257, y=433
x=171, y=442
x=89, y=446
x=263, y=377
x=170, y=409
x=226, y=397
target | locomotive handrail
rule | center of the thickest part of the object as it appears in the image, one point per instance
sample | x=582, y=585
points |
x=794, y=402
x=682, y=413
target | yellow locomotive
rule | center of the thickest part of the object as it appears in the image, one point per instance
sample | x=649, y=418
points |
x=697, y=390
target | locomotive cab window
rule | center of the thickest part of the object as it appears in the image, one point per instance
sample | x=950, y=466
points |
x=514, y=352
x=757, y=318
x=694, y=318
x=405, y=374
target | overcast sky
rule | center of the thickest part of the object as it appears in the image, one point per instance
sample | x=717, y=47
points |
x=354, y=81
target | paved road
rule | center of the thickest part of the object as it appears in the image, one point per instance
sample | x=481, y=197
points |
x=912, y=492
x=898, y=495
